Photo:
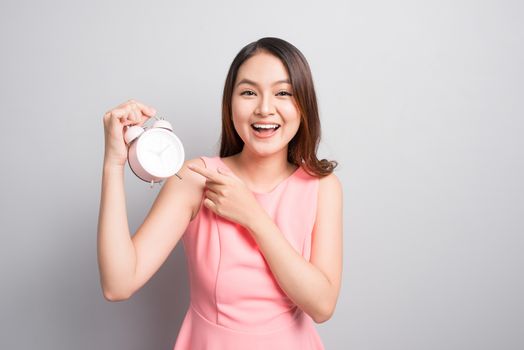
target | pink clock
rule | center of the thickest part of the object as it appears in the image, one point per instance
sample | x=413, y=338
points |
x=155, y=153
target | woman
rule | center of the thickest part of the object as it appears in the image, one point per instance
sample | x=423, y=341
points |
x=261, y=224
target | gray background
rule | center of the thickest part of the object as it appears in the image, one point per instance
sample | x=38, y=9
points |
x=421, y=103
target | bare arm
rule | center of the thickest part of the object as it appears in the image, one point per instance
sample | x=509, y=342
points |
x=126, y=263
x=313, y=286
x=116, y=253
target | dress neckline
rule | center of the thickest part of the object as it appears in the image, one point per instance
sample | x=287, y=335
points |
x=274, y=189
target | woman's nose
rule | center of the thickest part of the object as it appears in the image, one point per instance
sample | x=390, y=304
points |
x=265, y=106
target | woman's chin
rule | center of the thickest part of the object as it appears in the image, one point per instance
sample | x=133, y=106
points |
x=264, y=150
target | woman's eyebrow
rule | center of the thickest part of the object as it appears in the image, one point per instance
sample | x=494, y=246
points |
x=251, y=82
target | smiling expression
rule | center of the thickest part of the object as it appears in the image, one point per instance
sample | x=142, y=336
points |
x=264, y=111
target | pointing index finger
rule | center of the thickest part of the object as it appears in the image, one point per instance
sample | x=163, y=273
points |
x=211, y=175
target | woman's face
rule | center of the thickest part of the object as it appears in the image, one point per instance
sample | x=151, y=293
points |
x=262, y=97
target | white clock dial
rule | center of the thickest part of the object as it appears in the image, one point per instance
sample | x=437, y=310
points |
x=160, y=152
x=170, y=158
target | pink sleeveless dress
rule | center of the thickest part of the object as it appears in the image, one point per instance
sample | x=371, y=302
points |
x=235, y=301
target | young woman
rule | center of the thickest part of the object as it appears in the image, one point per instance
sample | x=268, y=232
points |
x=261, y=224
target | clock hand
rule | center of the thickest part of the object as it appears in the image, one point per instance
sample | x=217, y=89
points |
x=157, y=156
x=158, y=153
x=165, y=148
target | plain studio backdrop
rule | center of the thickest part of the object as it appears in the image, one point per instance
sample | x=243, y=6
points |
x=421, y=103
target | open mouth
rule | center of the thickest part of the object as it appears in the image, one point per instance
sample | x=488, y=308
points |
x=265, y=129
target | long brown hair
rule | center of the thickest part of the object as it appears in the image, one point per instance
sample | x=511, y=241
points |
x=303, y=146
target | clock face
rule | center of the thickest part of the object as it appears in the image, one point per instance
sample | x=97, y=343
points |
x=160, y=152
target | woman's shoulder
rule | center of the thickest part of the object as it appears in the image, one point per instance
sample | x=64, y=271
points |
x=330, y=184
x=194, y=178
x=205, y=161
x=186, y=177
x=199, y=161
x=191, y=185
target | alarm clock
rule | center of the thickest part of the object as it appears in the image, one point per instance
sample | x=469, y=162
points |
x=155, y=153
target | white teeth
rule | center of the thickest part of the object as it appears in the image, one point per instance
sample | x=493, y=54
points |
x=266, y=126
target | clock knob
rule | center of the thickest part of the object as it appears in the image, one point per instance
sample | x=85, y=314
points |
x=132, y=133
x=163, y=124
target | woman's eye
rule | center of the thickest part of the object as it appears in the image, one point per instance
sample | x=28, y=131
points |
x=284, y=93
x=247, y=93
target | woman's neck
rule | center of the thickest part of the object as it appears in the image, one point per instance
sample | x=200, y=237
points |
x=262, y=171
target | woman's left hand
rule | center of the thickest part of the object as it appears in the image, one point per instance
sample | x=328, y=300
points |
x=228, y=196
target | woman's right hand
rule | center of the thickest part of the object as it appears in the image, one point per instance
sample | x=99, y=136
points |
x=116, y=121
